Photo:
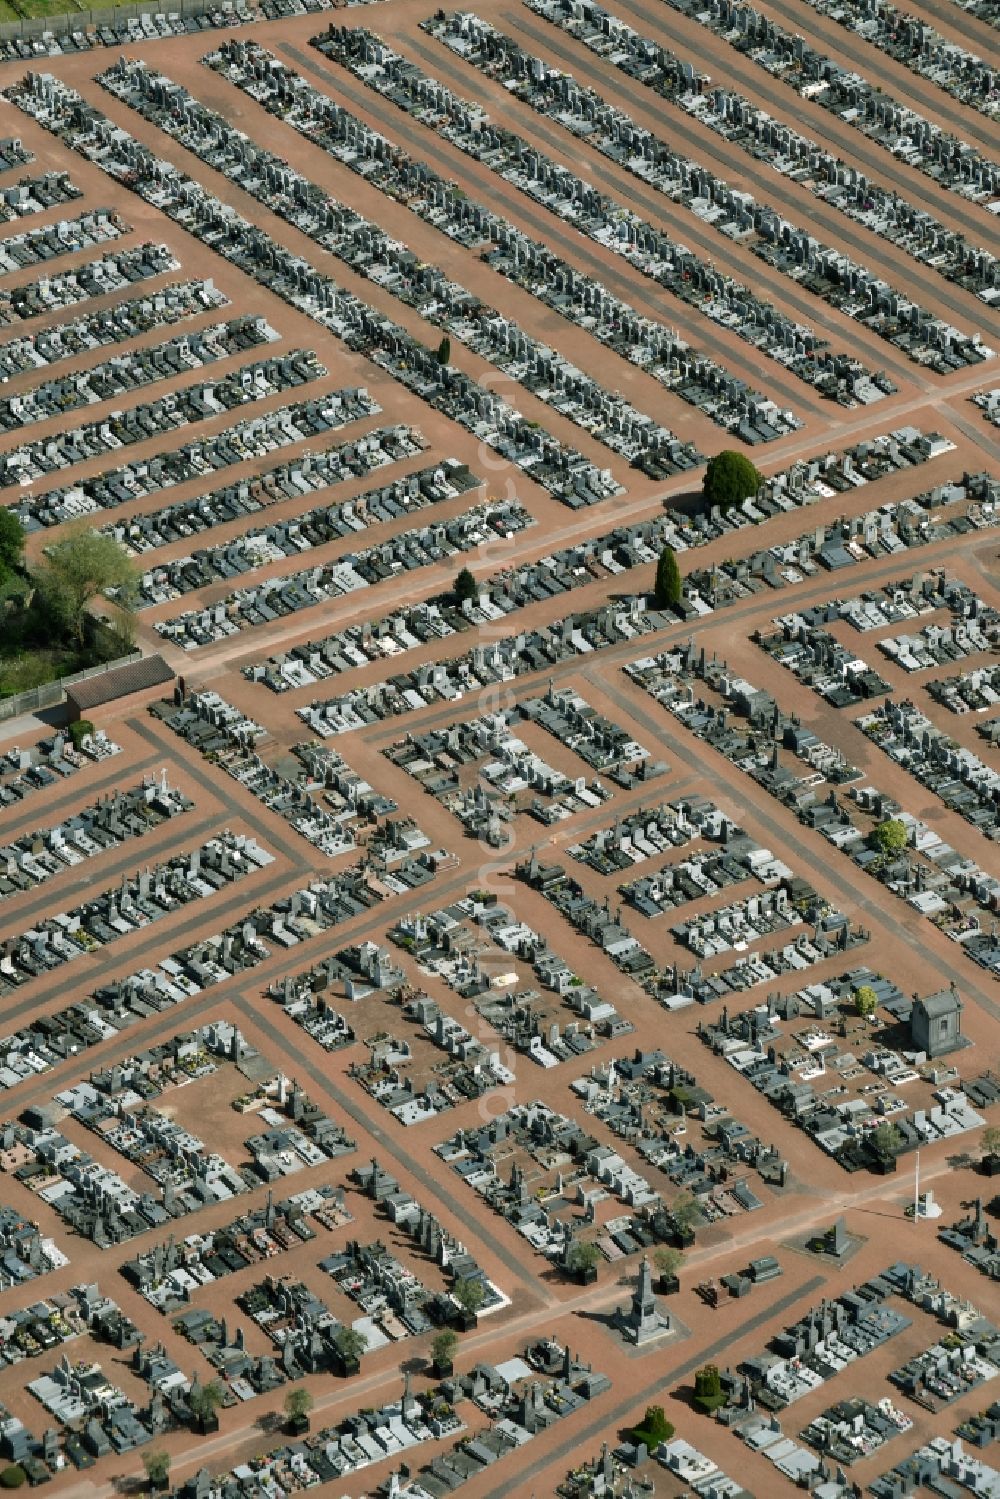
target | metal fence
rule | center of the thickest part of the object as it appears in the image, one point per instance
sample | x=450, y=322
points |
x=84, y=19
x=51, y=694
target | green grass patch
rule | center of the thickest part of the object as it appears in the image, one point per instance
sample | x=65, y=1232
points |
x=33, y=668
x=13, y=587
x=30, y=10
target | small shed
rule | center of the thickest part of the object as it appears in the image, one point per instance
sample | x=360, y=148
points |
x=144, y=675
x=936, y=1022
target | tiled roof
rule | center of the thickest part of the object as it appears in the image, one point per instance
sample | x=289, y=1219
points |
x=121, y=681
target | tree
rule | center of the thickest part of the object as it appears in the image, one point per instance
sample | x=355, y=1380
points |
x=866, y=1000
x=886, y=1138
x=444, y=1348
x=583, y=1255
x=991, y=1140
x=123, y=629
x=157, y=1466
x=730, y=478
x=11, y=542
x=889, y=838
x=668, y=580
x=206, y=1400
x=469, y=1292
x=12, y=1477
x=667, y=1260
x=653, y=1429
x=83, y=564
x=79, y=730
x=298, y=1404
x=686, y=1212
x=350, y=1344
x=466, y=586
x=708, y=1394
x=444, y=351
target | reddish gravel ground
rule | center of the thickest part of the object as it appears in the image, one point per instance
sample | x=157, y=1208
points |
x=901, y=944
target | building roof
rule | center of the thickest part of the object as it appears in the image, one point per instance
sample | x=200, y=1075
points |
x=944, y=1002
x=120, y=681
